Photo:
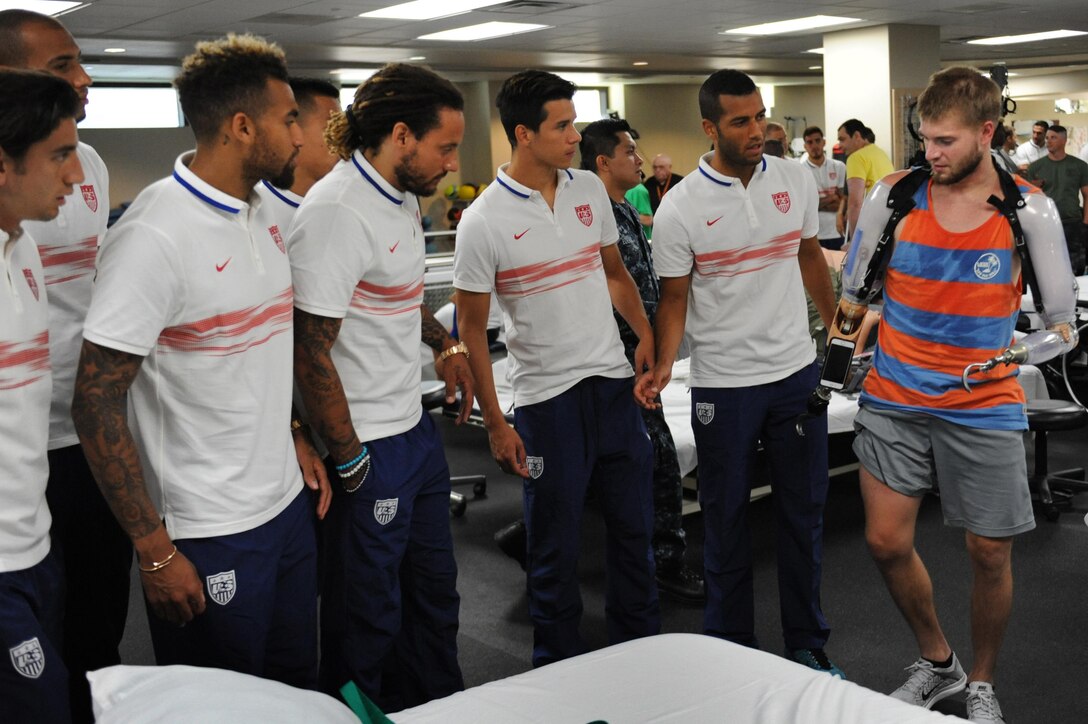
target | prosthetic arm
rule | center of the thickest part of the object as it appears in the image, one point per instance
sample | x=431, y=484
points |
x=1054, y=287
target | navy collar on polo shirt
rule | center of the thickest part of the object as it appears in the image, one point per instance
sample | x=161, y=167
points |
x=564, y=177
x=287, y=196
x=721, y=179
x=371, y=176
x=204, y=191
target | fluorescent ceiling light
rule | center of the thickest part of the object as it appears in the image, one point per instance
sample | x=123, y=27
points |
x=114, y=50
x=1028, y=38
x=791, y=26
x=483, y=31
x=429, y=9
x=45, y=7
x=640, y=62
x=815, y=67
x=817, y=51
x=354, y=75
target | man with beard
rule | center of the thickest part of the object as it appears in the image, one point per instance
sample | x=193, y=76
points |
x=951, y=297
x=191, y=316
x=94, y=552
x=389, y=612
x=735, y=246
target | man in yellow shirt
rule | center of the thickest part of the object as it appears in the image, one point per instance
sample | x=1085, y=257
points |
x=866, y=163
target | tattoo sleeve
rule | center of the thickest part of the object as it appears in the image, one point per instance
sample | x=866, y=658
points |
x=98, y=410
x=432, y=333
x=320, y=385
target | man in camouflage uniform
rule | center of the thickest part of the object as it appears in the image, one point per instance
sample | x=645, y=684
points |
x=608, y=150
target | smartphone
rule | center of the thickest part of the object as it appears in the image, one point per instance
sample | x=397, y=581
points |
x=837, y=363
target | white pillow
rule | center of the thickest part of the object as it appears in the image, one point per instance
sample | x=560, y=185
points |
x=186, y=694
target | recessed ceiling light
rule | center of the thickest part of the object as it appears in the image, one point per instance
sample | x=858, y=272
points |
x=418, y=57
x=815, y=67
x=429, y=9
x=817, y=51
x=484, y=31
x=640, y=62
x=1027, y=38
x=354, y=75
x=45, y=7
x=114, y=50
x=791, y=26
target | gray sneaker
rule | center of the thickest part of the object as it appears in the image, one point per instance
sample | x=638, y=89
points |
x=927, y=684
x=982, y=703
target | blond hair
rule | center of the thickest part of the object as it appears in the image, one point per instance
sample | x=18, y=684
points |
x=964, y=91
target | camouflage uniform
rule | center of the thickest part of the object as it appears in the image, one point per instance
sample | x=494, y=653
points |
x=668, y=540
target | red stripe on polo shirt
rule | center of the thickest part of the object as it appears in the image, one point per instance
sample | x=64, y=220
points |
x=21, y=362
x=256, y=324
x=747, y=259
x=378, y=299
x=64, y=263
x=531, y=279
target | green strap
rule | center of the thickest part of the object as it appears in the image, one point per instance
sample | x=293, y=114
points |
x=366, y=710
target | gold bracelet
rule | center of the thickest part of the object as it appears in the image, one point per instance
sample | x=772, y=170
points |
x=159, y=565
x=458, y=348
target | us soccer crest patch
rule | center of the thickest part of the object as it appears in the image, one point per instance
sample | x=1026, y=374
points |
x=89, y=196
x=221, y=587
x=274, y=230
x=704, y=411
x=585, y=214
x=536, y=466
x=31, y=282
x=385, y=510
x=781, y=201
x=28, y=658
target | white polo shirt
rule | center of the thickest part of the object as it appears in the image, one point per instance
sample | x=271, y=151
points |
x=198, y=283
x=68, y=245
x=357, y=254
x=747, y=321
x=280, y=203
x=1027, y=152
x=545, y=267
x=25, y=387
x=829, y=176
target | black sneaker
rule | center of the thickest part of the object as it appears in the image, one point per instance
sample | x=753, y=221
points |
x=513, y=542
x=681, y=583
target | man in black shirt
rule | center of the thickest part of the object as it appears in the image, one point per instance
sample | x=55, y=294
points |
x=662, y=180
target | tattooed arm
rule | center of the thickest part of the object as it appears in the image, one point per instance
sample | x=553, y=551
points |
x=321, y=388
x=174, y=592
x=454, y=369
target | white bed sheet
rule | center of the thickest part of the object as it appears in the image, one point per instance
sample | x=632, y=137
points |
x=670, y=678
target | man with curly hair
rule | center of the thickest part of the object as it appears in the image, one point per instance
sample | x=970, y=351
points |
x=192, y=318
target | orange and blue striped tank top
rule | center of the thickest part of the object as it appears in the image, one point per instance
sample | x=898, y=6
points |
x=949, y=300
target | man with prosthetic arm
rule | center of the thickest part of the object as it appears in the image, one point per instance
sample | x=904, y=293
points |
x=949, y=248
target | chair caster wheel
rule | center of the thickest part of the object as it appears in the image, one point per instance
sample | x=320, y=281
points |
x=1051, y=512
x=479, y=490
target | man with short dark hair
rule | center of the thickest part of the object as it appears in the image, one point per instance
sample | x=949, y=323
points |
x=608, y=149
x=1034, y=148
x=1064, y=178
x=543, y=239
x=94, y=552
x=736, y=249
x=38, y=167
x=317, y=100
x=389, y=603
x=191, y=319
x=830, y=178
x=866, y=163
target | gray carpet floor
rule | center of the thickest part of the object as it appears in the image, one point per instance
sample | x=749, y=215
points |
x=1043, y=664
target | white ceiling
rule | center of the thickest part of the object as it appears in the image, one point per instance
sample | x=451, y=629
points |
x=676, y=37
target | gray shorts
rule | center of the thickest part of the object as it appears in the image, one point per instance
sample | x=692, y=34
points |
x=982, y=474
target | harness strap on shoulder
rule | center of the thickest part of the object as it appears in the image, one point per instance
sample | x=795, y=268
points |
x=1014, y=200
x=901, y=202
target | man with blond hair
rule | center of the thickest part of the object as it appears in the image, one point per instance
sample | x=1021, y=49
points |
x=192, y=318
x=951, y=297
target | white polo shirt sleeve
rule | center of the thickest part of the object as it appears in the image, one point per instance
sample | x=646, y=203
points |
x=137, y=290
x=673, y=255
x=475, y=263
x=810, y=225
x=327, y=257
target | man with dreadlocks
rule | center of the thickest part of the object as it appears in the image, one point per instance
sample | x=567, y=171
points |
x=390, y=603
x=191, y=317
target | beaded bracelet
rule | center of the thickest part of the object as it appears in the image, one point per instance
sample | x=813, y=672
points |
x=345, y=474
x=353, y=462
x=159, y=565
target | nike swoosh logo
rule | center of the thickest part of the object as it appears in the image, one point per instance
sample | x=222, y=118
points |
x=518, y=236
x=394, y=247
x=221, y=267
x=711, y=223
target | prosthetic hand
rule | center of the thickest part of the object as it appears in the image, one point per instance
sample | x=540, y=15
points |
x=1033, y=349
